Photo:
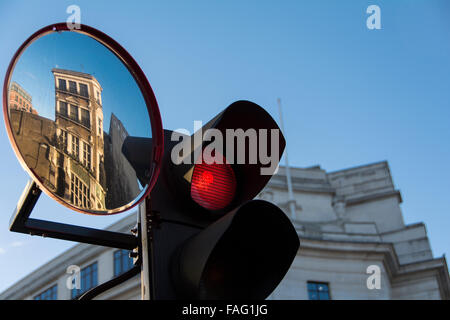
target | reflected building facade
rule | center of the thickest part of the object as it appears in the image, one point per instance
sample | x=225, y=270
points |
x=36, y=136
x=72, y=155
x=79, y=131
x=20, y=99
x=121, y=187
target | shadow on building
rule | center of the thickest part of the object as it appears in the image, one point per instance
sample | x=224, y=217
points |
x=72, y=155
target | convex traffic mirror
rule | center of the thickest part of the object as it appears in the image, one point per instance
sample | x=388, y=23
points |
x=71, y=98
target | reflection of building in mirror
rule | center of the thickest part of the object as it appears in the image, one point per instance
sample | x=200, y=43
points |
x=121, y=187
x=19, y=99
x=72, y=155
x=79, y=131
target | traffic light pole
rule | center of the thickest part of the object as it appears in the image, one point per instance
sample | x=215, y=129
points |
x=159, y=239
x=147, y=281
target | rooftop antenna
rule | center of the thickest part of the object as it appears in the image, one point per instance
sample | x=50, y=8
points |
x=291, y=200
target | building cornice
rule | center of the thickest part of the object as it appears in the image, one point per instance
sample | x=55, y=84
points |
x=396, y=272
x=376, y=196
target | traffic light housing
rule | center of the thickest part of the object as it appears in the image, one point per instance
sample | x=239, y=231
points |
x=210, y=240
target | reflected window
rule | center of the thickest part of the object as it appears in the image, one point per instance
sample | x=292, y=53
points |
x=87, y=155
x=74, y=112
x=122, y=261
x=100, y=126
x=79, y=192
x=52, y=176
x=64, y=140
x=76, y=147
x=318, y=291
x=63, y=108
x=62, y=85
x=73, y=87
x=84, y=90
x=49, y=294
x=85, y=118
x=89, y=279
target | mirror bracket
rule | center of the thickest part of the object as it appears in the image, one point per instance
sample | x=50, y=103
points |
x=22, y=223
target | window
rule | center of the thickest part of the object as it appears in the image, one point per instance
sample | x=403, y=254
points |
x=100, y=127
x=88, y=280
x=73, y=87
x=79, y=192
x=62, y=84
x=49, y=294
x=87, y=155
x=76, y=147
x=52, y=176
x=122, y=261
x=318, y=291
x=84, y=90
x=85, y=118
x=64, y=139
x=63, y=108
x=74, y=112
x=17, y=98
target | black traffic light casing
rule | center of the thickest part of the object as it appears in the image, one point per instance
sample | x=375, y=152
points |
x=243, y=255
x=241, y=250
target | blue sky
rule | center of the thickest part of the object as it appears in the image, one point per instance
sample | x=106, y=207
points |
x=351, y=96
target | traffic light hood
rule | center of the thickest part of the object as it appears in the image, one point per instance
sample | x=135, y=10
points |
x=245, y=117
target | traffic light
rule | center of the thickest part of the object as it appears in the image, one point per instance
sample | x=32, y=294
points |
x=209, y=239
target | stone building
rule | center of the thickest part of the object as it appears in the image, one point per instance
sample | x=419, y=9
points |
x=79, y=130
x=37, y=137
x=72, y=154
x=354, y=245
x=20, y=99
x=350, y=222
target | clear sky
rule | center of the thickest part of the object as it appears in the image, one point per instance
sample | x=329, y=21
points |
x=351, y=96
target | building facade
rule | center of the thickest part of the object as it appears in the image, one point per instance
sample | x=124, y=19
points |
x=20, y=99
x=79, y=131
x=354, y=244
x=71, y=153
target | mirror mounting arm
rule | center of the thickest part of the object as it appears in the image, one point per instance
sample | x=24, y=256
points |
x=22, y=223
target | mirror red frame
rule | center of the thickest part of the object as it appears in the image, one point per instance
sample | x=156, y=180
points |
x=144, y=86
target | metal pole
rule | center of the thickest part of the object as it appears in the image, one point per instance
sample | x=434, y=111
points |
x=291, y=200
x=145, y=252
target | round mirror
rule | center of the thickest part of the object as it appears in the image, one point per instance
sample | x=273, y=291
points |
x=83, y=119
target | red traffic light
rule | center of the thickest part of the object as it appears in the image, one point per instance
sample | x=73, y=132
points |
x=213, y=185
x=212, y=241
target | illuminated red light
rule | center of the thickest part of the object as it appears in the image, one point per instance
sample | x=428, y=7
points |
x=213, y=185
